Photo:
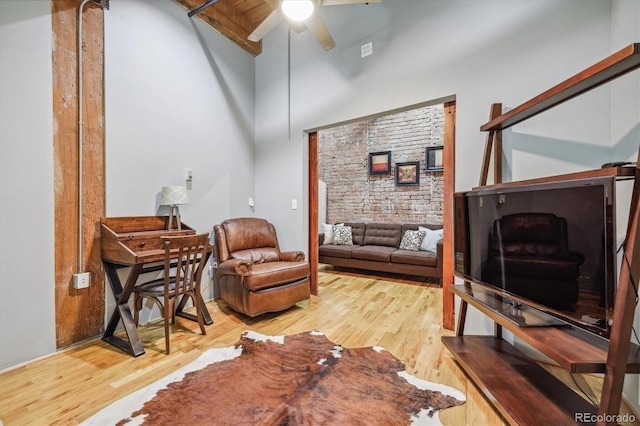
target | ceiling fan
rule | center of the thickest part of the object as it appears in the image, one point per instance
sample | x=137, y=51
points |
x=301, y=14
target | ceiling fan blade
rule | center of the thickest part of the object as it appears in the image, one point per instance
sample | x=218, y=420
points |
x=320, y=31
x=267, y=25
x=341, y=2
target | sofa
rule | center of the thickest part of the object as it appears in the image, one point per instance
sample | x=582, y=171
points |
x=379, y=247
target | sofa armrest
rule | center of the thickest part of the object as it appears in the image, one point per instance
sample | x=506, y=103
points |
x=234, y=267
x=292, y=256
x=321, y=238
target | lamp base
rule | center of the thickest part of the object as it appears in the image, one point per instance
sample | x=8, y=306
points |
x=175, y=213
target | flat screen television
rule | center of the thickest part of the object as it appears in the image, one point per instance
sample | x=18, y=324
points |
x=546, y=251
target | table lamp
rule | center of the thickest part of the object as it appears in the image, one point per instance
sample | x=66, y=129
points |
x=174, y=196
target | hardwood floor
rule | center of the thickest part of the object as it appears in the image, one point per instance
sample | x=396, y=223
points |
x=353, y=310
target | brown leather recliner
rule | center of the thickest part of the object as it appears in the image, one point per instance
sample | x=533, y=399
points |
x=529, y=256
x=255, y=276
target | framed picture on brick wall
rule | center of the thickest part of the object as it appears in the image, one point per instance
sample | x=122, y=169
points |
x=379, y=163
x=433, y=158
x=408, y=173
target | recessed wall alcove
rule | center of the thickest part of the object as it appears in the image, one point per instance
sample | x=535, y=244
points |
x=336, y=145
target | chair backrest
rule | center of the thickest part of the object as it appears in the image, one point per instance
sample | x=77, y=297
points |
x=247, y=238
x=184, y=255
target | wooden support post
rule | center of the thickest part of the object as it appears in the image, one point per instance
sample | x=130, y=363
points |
x=448, y=301
x=313, y=212
x=79, y=312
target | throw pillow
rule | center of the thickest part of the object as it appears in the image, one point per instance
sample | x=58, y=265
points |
x=327, y=230
x=342, y=235
x=430, y=241
x=411, y=240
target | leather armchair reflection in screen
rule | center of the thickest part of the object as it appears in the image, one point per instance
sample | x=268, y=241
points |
x=255, y=276
x=529, y=256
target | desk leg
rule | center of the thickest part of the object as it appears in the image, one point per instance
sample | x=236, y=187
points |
x=122, y=312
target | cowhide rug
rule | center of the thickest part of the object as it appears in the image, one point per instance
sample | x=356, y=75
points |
x=303, y=379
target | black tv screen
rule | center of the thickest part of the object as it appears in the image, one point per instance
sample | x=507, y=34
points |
x=546, y=246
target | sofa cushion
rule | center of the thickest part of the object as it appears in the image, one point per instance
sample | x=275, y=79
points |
x=376, y=253
x=335, y=251
x=357, y=232
x=422, y=258
x=383, y=234
x=272, y=274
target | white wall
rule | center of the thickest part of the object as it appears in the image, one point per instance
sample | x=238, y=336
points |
x=177, y=95
x=27, y=309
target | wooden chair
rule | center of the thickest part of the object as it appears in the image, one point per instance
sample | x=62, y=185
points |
x=182, y=274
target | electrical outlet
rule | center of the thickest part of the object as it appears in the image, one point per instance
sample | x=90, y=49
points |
x=189, y=174
x=81, y=280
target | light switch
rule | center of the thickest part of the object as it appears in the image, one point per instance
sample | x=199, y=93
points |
x=366, y=49
x=294, y=204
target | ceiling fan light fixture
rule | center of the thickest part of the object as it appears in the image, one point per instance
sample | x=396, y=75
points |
x=298, y=10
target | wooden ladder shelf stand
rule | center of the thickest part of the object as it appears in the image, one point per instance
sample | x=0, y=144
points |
x=521, y=390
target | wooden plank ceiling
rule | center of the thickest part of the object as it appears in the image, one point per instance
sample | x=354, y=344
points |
x=235, y=19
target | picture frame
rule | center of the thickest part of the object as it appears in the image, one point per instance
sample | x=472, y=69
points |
x=408, y=173
x=434, y=159
x=379, y=162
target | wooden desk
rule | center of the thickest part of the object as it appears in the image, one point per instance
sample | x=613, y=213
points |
x=135, y=242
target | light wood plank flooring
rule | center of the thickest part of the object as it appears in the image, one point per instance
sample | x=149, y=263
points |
x=353, y=310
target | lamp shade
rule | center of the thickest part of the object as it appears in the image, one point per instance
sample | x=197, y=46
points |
x=174, y=195
x=298, y=10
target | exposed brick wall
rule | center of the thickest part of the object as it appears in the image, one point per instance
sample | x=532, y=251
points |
x=356, y=196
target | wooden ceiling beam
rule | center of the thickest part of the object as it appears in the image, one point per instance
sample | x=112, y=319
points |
x=255, y=6
x=226, y=19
